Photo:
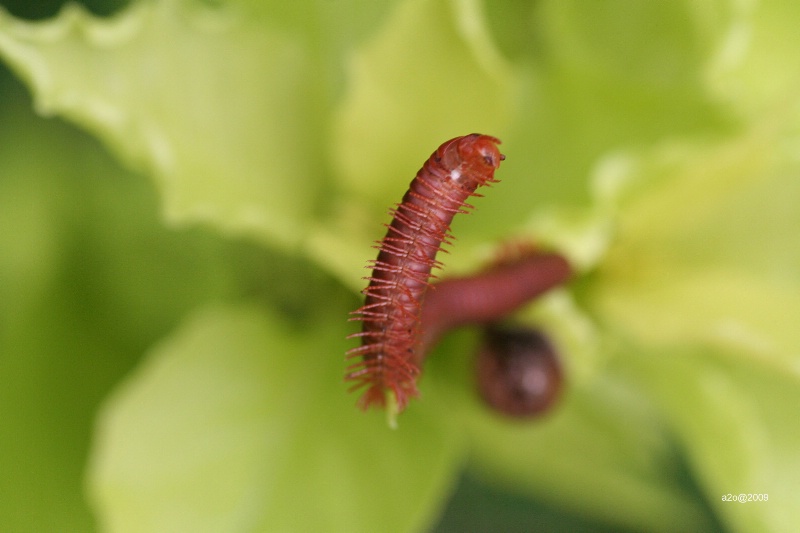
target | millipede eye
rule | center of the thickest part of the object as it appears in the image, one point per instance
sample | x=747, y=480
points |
x=518, y=371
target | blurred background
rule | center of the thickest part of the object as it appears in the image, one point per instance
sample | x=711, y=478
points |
x=106, y=257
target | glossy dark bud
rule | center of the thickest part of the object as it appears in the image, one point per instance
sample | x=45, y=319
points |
x=518, y=371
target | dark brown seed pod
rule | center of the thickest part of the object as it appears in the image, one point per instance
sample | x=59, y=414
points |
x=518, y=371
x=387, y=363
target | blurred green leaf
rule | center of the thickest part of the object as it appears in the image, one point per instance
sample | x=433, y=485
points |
x=234, y=424
x=712, y=226
x=384, y=131
x=735, y=417
x=603, y=452
x=88, y=277
x=218, y=110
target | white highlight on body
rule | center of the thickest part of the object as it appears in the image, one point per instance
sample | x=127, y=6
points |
x=534, y=380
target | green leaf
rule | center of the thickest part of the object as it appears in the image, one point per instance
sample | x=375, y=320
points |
x=384, y=130
x=602, y=453
x=700, y=289
x=659, y=44
x=237, y=423
x=88, y=276
x=735, y=417
x=603, y=76
x=218, y=110
x=753, y=72
x=706, y=248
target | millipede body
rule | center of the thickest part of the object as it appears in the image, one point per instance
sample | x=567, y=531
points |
x=388, y=361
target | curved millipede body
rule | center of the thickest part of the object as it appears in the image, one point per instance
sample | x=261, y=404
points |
x=387, y=363
x=490, y=295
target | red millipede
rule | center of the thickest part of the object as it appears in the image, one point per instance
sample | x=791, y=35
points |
x=390, y=338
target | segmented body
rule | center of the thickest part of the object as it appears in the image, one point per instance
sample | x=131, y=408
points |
x=389, y=358
x=490, y=295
